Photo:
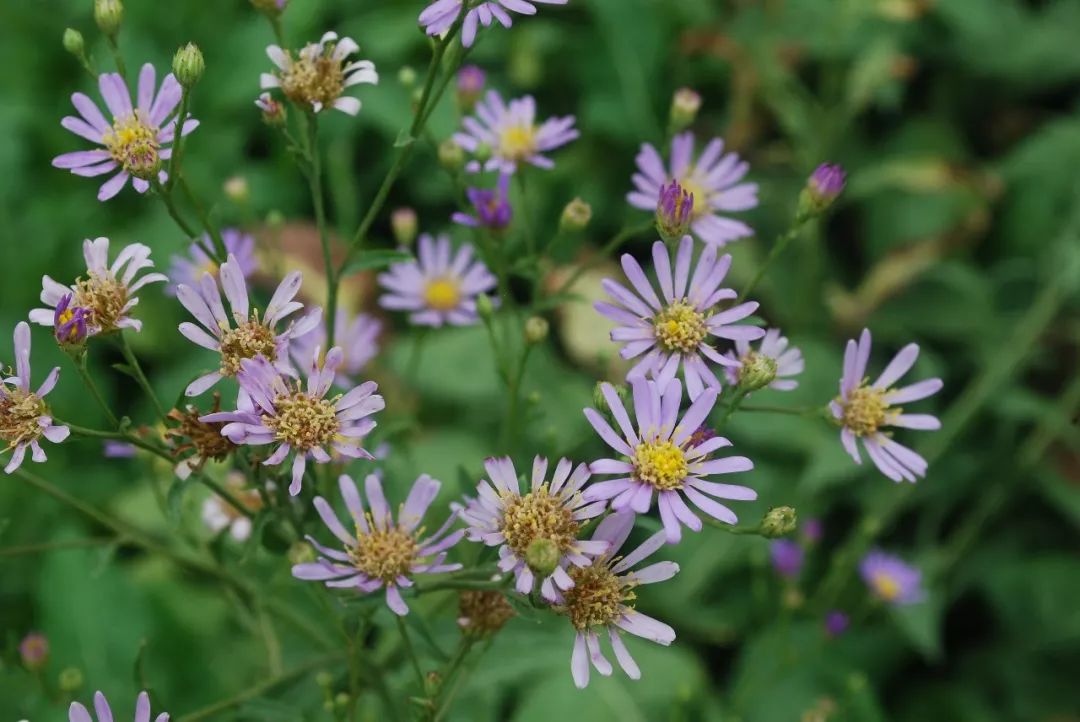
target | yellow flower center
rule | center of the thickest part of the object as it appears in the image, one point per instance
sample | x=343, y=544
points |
x=303, y=421
x=104, y=297
x=246, y=341
x=314, y=77
x=517, y=142
x=701, y=197
x=538, y=515
x=19, y=413
x=680, y=327
x=442, y=294
x=886, y=587
x=597, y=598
x=132, y=142
x=865, y=410
x=660, y=464
x=384, y=555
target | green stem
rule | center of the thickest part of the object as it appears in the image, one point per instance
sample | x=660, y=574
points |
x=737, y=530
x=84, y=373
x=733, y=405
x=204, y=219
x=318, y=201
x=789, y=410
x=140, y=377
x=59, y=545
x=114, y=48
x=178, y=139
x=460, y=681
x=174, y=213
x=778, y=248
x=510, y=426
x=450, y=676
x=410, y=651
x=610, y=247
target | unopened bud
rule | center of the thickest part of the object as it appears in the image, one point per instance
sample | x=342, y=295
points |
x=536, y=329
x=71, y=679
x=432, y=683
x=407, y=76
x=823, y=187
x=301, y=553
x=108, y=14
x=270, y=7
x=34, y=651
x=482, y=152
x=778, y=521
x=273, y=110
x=188, y=65
x=484, y=308
x=600, y=401
x=451, y=155
x=324, y=679
x=542, y=556
x=237, y=189
x=275, y=219
x=534, y=398
x=575, y=216
x=404, y=224
x=756, y=372
x=341, y=700
x=70, y=324
x=73, y=42
x=674, y=212
x=470, y=85
x=685, y=105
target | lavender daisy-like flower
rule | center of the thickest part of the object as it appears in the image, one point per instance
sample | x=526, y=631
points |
x=319, y=74
x=358, y=338
x=536, y=532
x=436, y=288
x=493, y=209
x=380, y=552
x=189, y=269
x=245, y=334
x=891, y=579
x=713, y=181
x=299, y=420
x=602, y=600
x=78, y=713
x=673, y=329
x=106, y=294
x=665, y=455
x=771, y=364
x=137, y=139
x=24, y=416
x=512, y=135
x=863, y=409
x=439, y=16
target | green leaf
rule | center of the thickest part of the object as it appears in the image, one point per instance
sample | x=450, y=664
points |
x=371, y=260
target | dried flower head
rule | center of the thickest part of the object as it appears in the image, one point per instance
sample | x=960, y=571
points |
x=319, y=74
x=482, y=613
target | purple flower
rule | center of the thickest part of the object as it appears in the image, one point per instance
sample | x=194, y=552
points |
x=772, y=357
x=70, y=323
x=190, y=268
x=247, y=335
x=890, y=579
x=379, y=552
x=34, y=650
x=319, y=74
x=118, y=450
x=787, y=557
x=713, y=180
x=827, y=182
x=79, y=713
x=493, y=209
x=24, y=416
x=545, y=521
x=470, y=85
x=674, y=211
x=358, y=339
x=863, y=409
x=439, y=16
x=134, y=141
x=675, y=331
x=602, y=599
x=836, y=623
x=300, y=420
x=107, y=293
x=662, y=456
x=511, y=134
x=436, y=288
x=812, y=530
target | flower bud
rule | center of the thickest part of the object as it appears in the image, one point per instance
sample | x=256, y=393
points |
x=823, y=187
x=484, y=308
x=483, y=152
x=600, y=403
x=71, y=679
x=188, y=65
x=432, y=684
x=273, y=111
x=674, y=211
x=757, y=371
x=301, y=553
x=470, y=85
x=73, y=42
x=324, y=679
x=407, y=76
x=270, y=7
x=536, y=330
x=778, y=521
x=275, y=219
x=404, y=225
x=108, y=14
x=575, y=216
x=69, y=324
x=685, y=105
x=237, y=189
x=341, y=700
x=34, y=651
x=482, y=613
x=451, y=155
x=542, y=556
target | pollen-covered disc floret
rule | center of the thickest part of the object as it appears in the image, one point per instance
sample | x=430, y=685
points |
x=512, y=135
x=190, y=268
x=78, y=713
x=437, y=288
x=714, y=179
x=244, y=333
x=136, y=140
x=891, y=579
x=603, y=598
x=318, y=75
x=665, y=456
x=863, y=409
x=379, y=552
x=24, y=416
x=677, y=327
x=298, y=418
x=357, y=336
x=536, y=531
x=106, y=293
x=774, y=357
x=439, y=16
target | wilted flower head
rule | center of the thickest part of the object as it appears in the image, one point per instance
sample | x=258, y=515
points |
x=219, y=515
x=493, y=209
x=34, y=651
x=786, y=557
x=439, y=16
x=318, y=76
x=78, y=713
x=863, y=409
x=662, y=456
x=602, y=600
x=437, y=288
x=713, y=180
x=380, y=552
x=357, y=337
x=107, y=293
x=890, y=579
x=189, y=269
x=196, y=442
x=483, y=612
x=513, y=136
x=771, y=364
x=136, y=140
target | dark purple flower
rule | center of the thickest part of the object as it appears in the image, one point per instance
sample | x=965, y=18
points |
x=674, y=211
x=493, y=209
x=787, y=558
x=118, y=450
x=470, y=85
x=836, y=623
x=69, y=323
x=827, y=180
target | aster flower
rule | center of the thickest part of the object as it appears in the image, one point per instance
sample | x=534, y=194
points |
x=106, y=295
x=437, y=289
x=439, y=16
x=536, y=532
x=512, y=135
x=318, y=76
x=674, y=330
x=665, y=455
x=862, y=409
x=772, y=359
x=890, y=579
x=219, y=515
x=274, y=410
x=24, y=416
x=357, y=337
x=836, y=623
x=136, y=140
x=493, y=209
x=602, y=600
x=379, y=552
x=786, y=557
x=713, y=180
x=78, y=713
x=70, y=323
x=246, y=335
x=189, y=269
x=34, y=651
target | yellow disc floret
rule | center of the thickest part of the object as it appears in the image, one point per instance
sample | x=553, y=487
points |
x=19, y=414
x=442, y=294
x=517, y=142
x=133, y=143
x=680, y=327
x=701, y=205
x=598, y=597
x=314, y=77
x=246, y=341
x=104, y=297
x=660, y=464
x=303, y=421
x=885, y=586
x=384, y=555
x=538, y=515
x=864, y=410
